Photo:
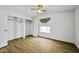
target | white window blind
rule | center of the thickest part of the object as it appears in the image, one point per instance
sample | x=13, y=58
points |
x=45, y=29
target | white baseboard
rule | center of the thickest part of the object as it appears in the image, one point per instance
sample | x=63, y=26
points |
x=76, y=45
x=2, y=44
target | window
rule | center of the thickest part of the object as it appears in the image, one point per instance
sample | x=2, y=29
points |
x=45, y=29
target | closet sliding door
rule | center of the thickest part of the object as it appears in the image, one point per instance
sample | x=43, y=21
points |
x=11, y=27
x=19, y=27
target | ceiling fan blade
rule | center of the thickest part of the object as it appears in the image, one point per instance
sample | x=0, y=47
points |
x=33, y=9
x=44, y=10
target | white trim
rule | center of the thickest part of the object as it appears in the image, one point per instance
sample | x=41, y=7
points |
x=24, y=28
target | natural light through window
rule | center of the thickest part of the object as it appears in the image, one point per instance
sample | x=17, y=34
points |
x=45, y=29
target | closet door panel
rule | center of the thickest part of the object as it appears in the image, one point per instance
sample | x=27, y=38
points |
x=12, y=30
x=19, y=28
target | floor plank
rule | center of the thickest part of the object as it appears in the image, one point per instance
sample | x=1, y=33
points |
x=38, y=45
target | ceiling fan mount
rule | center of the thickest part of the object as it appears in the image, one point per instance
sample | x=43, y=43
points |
x=39, y=9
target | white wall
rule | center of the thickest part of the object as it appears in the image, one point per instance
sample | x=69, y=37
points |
x=61, y=26
x=35, y=26
x=3, y=29
x=76, y=23
x=13, y=12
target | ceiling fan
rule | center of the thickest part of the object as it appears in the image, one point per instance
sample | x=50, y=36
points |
x=39, y=9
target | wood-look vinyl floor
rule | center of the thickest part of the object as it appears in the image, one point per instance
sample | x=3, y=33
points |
x=38, y=45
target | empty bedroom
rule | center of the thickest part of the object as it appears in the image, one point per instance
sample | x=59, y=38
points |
x=39, y=29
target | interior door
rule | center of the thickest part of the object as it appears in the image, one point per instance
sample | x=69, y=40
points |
x=3, y=30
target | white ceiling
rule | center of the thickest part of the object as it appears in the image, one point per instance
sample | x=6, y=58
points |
x=26, y=9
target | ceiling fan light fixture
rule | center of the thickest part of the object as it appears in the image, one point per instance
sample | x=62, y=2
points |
x=38, y=11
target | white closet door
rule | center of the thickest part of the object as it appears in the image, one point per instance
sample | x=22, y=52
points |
x=3, y=30
x=20, y=29
x=12, y=30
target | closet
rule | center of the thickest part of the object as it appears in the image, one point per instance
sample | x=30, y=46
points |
x=15, y=27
